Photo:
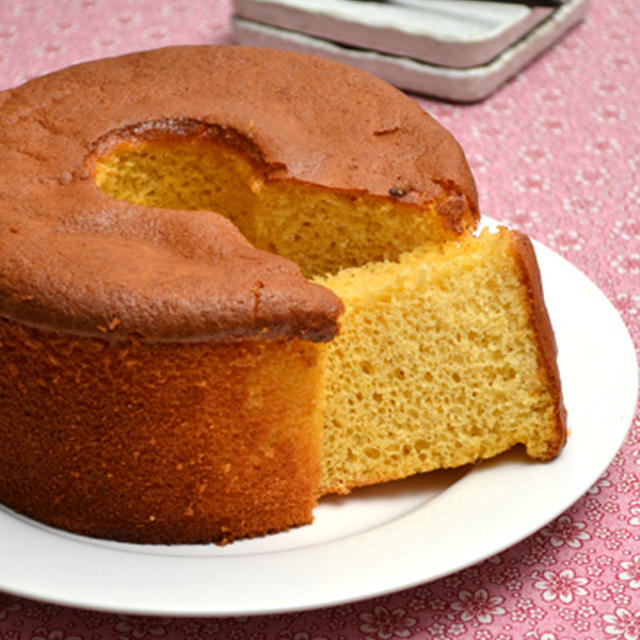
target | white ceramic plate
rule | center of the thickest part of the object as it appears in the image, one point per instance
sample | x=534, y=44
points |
x=377, y=540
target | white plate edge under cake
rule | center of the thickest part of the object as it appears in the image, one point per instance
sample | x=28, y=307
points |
x=459, y=85
x=453, y=33
x=497, y=504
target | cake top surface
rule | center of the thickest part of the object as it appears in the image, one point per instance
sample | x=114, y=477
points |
x=78, y=260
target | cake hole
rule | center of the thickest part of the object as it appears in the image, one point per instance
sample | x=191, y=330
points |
x=372, y=453
x=190, y=165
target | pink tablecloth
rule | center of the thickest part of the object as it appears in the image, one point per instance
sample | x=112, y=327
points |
x=555, y=153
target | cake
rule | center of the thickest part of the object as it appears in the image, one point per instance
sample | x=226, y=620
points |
x=445, y=357
x=161, y=370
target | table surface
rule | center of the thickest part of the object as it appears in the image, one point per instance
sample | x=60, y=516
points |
x=555, y=153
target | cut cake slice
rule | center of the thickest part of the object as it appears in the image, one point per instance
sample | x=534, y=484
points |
x=444, y=358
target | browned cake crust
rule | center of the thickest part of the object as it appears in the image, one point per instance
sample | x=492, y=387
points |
x=160, y=274
x=159, y=443
x=525, y=254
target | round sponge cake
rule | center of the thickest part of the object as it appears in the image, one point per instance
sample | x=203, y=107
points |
x=162, y=376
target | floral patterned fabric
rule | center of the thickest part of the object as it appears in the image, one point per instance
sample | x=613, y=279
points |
x=556, y=153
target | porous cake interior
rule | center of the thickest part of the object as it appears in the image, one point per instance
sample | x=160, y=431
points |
x=321, y=230
x=437, y=365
